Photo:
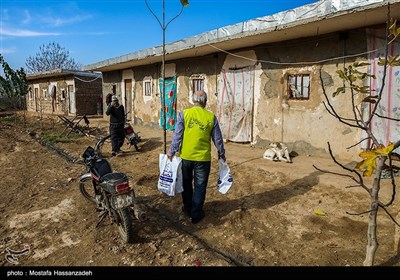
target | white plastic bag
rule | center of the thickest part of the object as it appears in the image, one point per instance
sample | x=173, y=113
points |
x=170, y=179
x=225, y=179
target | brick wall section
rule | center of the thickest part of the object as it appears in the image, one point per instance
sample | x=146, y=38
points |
x=87, y=93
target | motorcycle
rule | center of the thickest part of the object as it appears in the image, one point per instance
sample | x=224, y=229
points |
x=131, y=136
x=111, y=193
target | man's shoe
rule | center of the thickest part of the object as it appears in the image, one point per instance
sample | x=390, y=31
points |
x=198, y=219
x=185, y=211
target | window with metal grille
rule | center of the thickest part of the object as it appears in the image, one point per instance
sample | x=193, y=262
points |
x=148, y=86
x=299, y=86
x=197, y=84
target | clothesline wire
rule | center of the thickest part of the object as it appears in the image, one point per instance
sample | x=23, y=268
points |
x=89, y=80
x=293, y=63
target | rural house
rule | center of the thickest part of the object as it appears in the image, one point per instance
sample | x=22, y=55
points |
x=265, y=77
x=64, y=92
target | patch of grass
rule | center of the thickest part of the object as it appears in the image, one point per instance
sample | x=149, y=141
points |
x=50, y=137
x=11, y=119
x=59, y=137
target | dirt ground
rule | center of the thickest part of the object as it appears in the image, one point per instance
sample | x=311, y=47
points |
x=275, y=214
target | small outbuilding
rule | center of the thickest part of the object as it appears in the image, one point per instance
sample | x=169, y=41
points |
x=64, y=92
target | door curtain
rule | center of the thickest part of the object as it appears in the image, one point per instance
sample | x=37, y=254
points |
x=170, y=103
x=235, y=104
x=385, y=130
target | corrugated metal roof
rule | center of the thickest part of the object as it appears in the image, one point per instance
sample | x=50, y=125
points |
x=313, y=19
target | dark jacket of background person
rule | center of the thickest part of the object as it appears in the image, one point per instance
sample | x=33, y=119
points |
x=116, y=112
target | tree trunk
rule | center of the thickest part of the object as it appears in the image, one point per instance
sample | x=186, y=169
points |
x=372, y=245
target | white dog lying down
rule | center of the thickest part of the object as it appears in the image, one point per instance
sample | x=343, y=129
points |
x=277, y=151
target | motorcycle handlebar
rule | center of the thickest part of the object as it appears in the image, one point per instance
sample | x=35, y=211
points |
x=89, y=160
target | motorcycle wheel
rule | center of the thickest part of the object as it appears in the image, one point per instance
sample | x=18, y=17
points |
x=99, y=145
x=125, y=225
x=87, y=190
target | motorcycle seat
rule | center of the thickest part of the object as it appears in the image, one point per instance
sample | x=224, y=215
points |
x=101, y=167
x=114, y=177
x=111, y=180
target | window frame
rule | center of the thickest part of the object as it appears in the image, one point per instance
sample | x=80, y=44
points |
x=70, y=88
x=44, y=93
x=298, y=85
x=199, y=81
x=148, y=81
x=63, y=94
x=192, y=79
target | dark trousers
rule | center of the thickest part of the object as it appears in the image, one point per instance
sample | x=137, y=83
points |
x=117, y=136
x=194, y=195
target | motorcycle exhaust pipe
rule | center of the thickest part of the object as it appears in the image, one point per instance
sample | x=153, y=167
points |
x=140, y=214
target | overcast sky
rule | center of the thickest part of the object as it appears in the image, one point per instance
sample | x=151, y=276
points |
x=95, y=30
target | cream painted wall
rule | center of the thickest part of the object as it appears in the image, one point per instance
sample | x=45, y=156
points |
x=307, y=122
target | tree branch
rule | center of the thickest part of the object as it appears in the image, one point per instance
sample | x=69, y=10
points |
x=390, y=215
x=360, y=179
x=332, y=110
x=388, y=118
x=359, y=142
x=358, y=214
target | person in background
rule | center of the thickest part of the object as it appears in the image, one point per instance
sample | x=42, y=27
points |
x=100, y=105
x=195, y=128
x=53, y=98
x=116, y=112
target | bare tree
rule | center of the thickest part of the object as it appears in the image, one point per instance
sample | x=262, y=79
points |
x=164, y=26
x=51, y=56
x=376, y=154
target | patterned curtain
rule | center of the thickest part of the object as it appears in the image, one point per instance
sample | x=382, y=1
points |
x=385, y=130
x=170, y=103
x=235, y=104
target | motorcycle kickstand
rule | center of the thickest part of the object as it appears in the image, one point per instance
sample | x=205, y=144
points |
x=102, y=216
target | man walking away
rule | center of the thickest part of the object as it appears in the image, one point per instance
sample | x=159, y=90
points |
x=116, y=112
x=195, y=128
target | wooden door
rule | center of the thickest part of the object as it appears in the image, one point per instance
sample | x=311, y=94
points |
x=71, y=98
x=128, y=99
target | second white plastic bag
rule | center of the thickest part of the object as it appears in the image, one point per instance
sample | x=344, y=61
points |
x=225, y=179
